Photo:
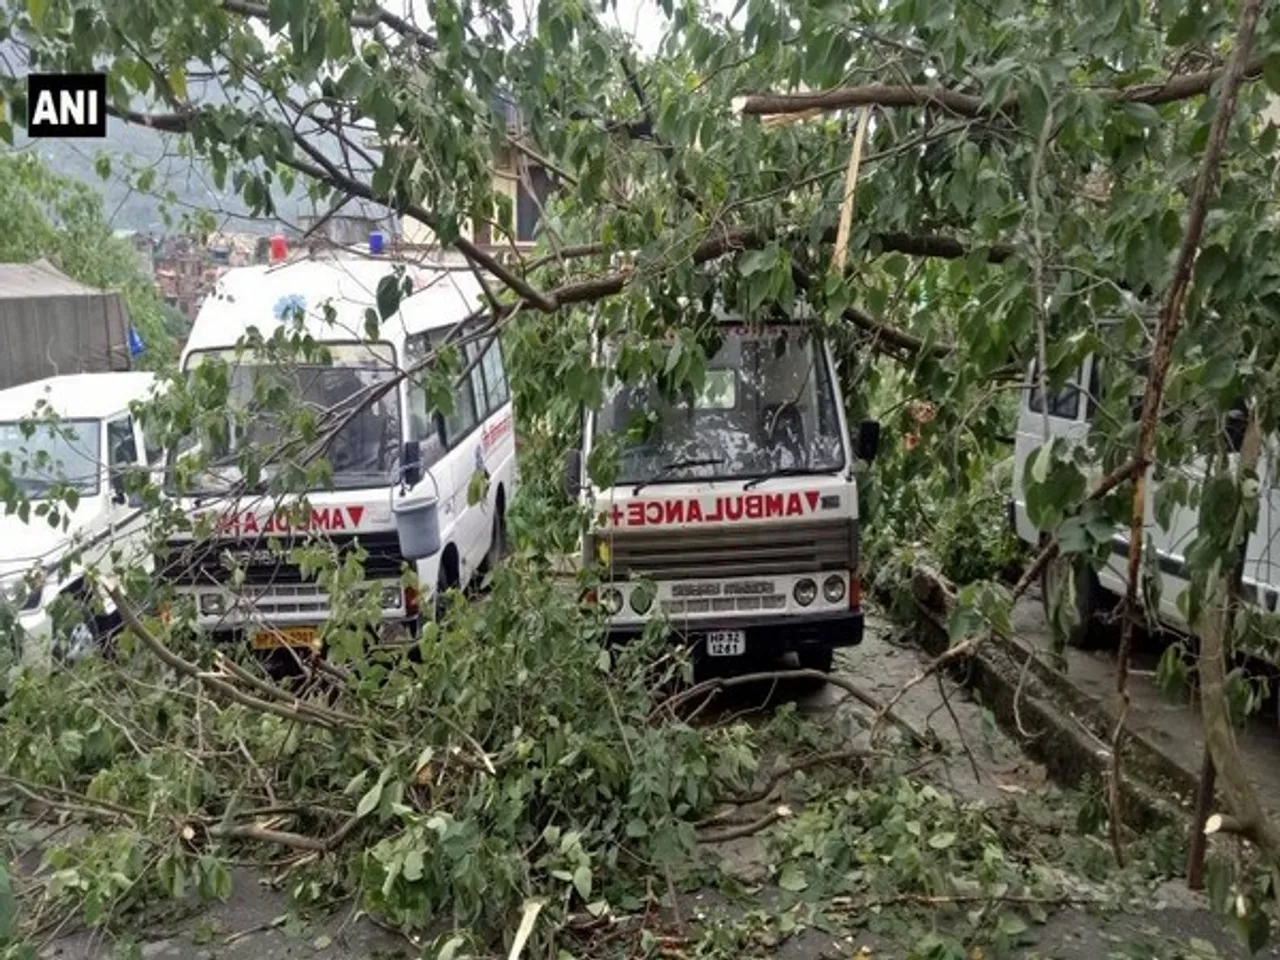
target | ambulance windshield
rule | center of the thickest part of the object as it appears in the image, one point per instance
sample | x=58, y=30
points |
x=767, y=405
x=266, y=399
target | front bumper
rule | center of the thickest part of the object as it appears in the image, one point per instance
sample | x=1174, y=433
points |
x=221, y=610
x=769, y=634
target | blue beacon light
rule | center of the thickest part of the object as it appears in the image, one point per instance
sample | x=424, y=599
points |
x=375, y=242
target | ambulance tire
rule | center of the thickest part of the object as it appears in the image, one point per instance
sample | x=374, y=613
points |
x=1089, y=632
x=498, y=539
x=821, y=659
x=447, y=579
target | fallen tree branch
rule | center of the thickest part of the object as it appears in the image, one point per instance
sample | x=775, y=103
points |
x=969, y=105
x=919, y=739
x=284, y=838
x=817, y=760
x=747, y=829
x=295, y=710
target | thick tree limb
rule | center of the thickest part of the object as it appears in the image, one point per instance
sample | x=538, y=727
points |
x=1248, y=818
x=966, y=104
x=1166, y=333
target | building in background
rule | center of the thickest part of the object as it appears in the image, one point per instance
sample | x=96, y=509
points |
x=524, y=183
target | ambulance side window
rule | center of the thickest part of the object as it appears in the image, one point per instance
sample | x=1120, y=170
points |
x=418, y=409
x=1064, y=402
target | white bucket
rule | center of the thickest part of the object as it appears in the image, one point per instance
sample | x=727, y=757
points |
x=418, y=522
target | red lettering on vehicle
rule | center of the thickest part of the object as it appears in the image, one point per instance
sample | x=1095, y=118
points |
x=751, y=506
x=326, y=519
x=496, y=432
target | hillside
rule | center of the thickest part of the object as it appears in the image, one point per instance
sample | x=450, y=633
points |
x=192, y=187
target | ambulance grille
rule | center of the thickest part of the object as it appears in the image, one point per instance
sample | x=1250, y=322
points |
x=211, y=562
x=746, y=551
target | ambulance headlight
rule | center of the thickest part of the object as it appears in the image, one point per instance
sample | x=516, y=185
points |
x=611, y=600
x=213, y=604
x=805, y=592
x=642, y=599
x=833, y=589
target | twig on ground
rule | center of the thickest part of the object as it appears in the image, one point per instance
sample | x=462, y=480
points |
x=747, y=829
x=964, y=744
x=721, y=683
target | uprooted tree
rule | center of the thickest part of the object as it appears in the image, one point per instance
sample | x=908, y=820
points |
x=1036, y=184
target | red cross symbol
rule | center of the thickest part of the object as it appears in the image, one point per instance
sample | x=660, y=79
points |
x=617, y=515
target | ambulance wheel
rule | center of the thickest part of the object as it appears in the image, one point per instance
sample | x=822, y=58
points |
x=498, y=539
x=448, y=579
x=821, y=659
x=1088, y=632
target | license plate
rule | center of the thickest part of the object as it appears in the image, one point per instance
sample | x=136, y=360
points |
x=726, y=643
x=287, y=637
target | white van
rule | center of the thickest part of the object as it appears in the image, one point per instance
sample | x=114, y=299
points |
x=240, y=587
x=75, y=432
x=734, y=516
x=1070, y=412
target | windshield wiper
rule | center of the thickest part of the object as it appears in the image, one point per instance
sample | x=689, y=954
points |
x=667, y=468
x=784, y=472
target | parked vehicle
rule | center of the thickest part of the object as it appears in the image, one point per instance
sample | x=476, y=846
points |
x=734, y=516
x=240, y=586
x=70, y=433
x=1070, y=413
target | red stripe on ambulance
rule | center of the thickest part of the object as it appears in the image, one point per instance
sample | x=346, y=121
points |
x=493, y=434
x=725, y=509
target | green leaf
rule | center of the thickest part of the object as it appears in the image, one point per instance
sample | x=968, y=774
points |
x=1271, y=72
x=941, y=841
x=1183, y=29
x=371, y=798
x=756, y=261
x=582, y=881
x=388, y=296
x=1146, y=115
x=371, y=324
x=793, y=879
x=412, y=869
x=8, y=907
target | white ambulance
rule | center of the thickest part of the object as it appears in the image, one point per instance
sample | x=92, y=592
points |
x=734, y=514
x=69, y=433
x=1095, y=595
x=241, y=578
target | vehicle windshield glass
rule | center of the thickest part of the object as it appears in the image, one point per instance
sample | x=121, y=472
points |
x=44, y=454
x=767, y=405
x=362, y=453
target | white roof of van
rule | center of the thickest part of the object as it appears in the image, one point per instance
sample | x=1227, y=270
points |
x=77, y=395
x=247, y=297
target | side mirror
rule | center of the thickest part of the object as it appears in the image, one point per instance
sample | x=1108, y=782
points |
x=868, y=444
x=117, y=488
x=573, y=473
x=1237, y=420
x=411, y=463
